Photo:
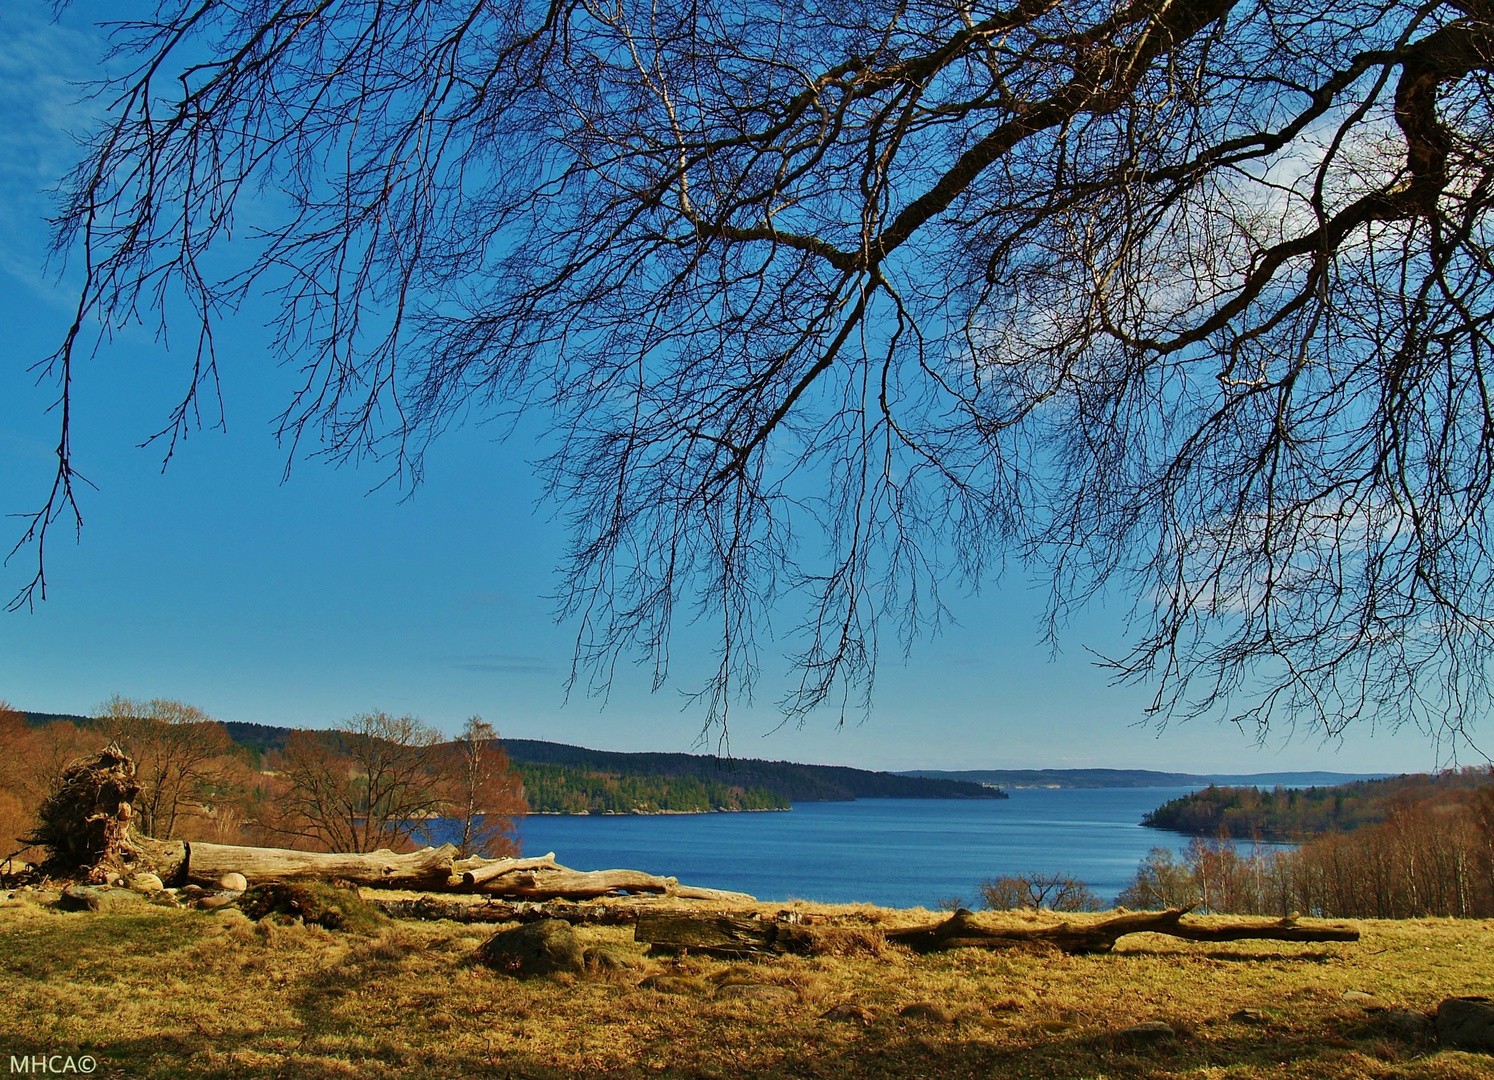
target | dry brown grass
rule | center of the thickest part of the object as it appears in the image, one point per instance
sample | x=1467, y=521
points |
x=167, y=993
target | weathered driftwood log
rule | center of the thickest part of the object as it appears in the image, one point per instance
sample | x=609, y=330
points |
x=490, y=869
x=559, y=882
x=542, y=878
x=721, y=935
x=961, y=931
x=695, y=892
x=207, y=863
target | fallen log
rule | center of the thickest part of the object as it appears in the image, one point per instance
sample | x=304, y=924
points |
x=558, y=882
x=961, y=931
x=721, y=935
x=207, y=863
x=476, y=875
x=695, y=892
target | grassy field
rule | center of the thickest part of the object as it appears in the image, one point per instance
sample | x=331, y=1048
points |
x=174, y=993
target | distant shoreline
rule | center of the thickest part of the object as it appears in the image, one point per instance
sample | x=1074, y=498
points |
x=661, y=813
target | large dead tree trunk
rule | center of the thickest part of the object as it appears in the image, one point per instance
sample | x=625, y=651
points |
x=207, y=863
x=86, y=825
x=961, y=930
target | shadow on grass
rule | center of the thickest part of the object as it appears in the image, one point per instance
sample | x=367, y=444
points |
x=890, y=1050
x=82, y=944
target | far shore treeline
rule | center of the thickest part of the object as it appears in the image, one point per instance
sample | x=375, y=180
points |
x=375, y=780
x=563, y=779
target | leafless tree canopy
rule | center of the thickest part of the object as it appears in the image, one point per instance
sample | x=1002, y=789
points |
x=833, y=305
x=371, y=782
x=484, y=796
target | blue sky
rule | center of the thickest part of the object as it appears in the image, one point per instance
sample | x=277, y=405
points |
x=305, y=601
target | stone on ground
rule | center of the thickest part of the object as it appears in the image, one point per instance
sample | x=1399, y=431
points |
x=98, y=898
x=546, y=947
x=1466, y=1023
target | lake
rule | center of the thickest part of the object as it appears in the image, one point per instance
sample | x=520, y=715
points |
x=893, y=852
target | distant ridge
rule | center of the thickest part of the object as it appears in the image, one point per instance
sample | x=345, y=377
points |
x=793, y=781
x=1129, y=778
x=788, y=779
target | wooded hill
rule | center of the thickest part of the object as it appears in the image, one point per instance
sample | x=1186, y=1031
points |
x=786, y=780
x=559, y=789
x=559, y=778
x=1295, y=814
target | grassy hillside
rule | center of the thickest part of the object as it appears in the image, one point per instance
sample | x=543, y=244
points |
x=1293, y=814
x=168, y=994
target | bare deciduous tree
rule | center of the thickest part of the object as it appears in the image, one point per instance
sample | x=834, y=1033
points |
x=1038, y=891
x=184, y=759
x=842, y=304
x=484, y=796
x=371, y=782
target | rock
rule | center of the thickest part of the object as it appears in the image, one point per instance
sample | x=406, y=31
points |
x=165, y=898
x=146, y=883
x=1367, y=1002
x=314, y=903
x=929, y=1011
x=213, y=903
x=1406, y=1024
x=848, y=1012
x=1151, y=1031
x=233, y=882
x=538, y=948
x=98, y=898
x=1249, y=1016
x=1466, y=1023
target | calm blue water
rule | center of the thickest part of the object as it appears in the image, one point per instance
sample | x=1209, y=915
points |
x=894, y=852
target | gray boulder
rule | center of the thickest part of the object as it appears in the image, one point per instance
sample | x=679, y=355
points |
x=98, y=898
x=537, y=948
x=1466, y=1023
x=1149, y=1031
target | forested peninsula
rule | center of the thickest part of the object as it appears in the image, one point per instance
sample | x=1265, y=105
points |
x=1290, y=814
x=706, y=782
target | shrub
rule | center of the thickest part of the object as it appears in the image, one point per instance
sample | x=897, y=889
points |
x=1056, y=892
